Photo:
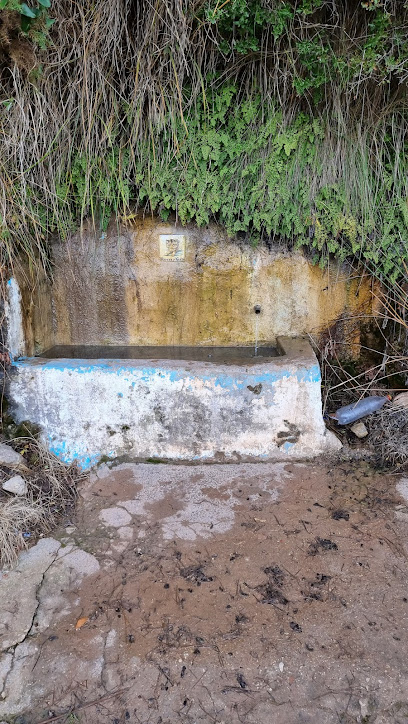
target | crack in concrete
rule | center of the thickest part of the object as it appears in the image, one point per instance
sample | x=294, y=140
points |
x=7, y=673
x=13, y=650
x=103, y=682
x=37, y=597
x=10, y=671
x=12, y=664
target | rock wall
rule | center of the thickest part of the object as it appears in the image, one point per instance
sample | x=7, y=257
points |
x=134, y=286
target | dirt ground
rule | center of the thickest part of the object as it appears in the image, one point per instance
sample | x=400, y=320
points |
x=254, y=593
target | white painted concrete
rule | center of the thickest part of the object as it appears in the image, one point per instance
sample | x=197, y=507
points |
x=176, y=410
x=14, y=320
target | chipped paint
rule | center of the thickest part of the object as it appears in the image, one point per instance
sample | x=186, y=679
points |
x=173, y=409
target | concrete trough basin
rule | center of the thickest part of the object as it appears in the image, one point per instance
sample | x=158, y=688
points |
x=229, y=406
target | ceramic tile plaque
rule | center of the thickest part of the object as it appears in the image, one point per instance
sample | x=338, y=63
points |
x=172, y=247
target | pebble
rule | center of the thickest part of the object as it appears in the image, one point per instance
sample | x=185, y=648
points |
x=401, y=400
x=11, y=459
x=359, y=430
x=16, y=485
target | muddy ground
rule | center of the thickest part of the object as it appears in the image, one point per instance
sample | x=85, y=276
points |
x=254, y=593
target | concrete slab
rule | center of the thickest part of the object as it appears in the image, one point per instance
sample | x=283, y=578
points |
x=18, y=591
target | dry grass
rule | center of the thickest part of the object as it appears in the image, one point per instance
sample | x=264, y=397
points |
x=345, y=380
x=351, y=366
x=19, y=516
x=389, y=436
x=116, y=71
x=51, y=495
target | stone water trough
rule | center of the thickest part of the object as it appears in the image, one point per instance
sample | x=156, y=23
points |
x=155, y=341
x=235, y=407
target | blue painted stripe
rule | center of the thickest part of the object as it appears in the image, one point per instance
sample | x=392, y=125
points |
x=84, y=460
x=238, y=380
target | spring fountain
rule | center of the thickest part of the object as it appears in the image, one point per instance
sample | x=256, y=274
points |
x=155, y=346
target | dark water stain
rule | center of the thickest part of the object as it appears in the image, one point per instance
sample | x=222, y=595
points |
x=213, y=355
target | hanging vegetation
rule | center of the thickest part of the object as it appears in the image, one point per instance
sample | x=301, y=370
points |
x=283, y=119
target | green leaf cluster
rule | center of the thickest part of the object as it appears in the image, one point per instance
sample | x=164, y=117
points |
x=317, y=51
x=241, y=22
x=252, y=173
x=34, y=17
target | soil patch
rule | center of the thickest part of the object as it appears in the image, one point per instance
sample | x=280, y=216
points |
x=284, y=613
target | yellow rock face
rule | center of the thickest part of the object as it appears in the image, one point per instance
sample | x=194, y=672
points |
x=133, y=287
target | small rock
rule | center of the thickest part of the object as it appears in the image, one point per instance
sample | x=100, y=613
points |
x=16, y=485
x=11, y=459
x=340, y=515
x=70, y=529
x=401, y=400
x=359, y=429
x=364, y=708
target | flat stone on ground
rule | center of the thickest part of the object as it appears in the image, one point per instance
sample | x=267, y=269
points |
x=11, y=459
x=16, y=485
x=359, y=430
x=18, y=601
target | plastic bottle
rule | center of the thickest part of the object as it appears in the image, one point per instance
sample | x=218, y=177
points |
x=357, y=410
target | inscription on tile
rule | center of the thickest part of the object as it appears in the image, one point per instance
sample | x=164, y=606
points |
x=172, y=247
